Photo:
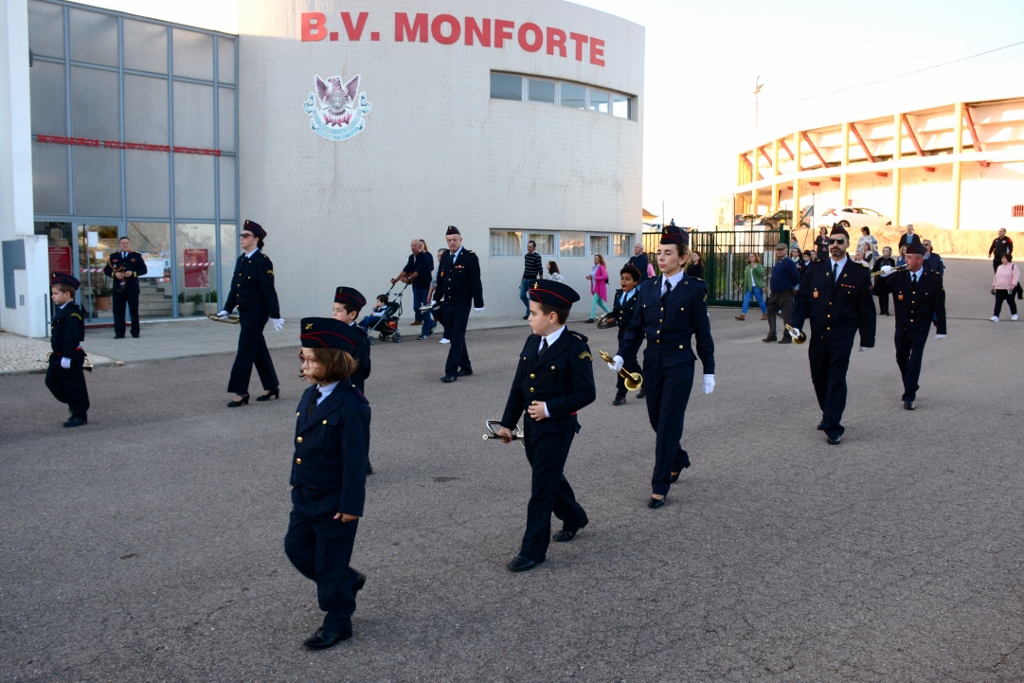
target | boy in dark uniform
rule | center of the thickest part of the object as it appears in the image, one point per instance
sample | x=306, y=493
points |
x=622, y=313
x=458, y=284
x=332, y=431
x=348, y=302
x=671, y=311
x=64, y=376
x=554, y=380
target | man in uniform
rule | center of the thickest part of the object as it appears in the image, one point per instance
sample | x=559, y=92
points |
x=64, y=376
x=784, y=280
x=1000, y=245
x=919, y=299
x=836, y=296
x=639, y=261
x=125, y=266
x=458, y=283
x=670, y=311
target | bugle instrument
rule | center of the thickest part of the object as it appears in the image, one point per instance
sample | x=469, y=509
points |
x=798, y=336
x=633, y=380
x=119, y=283
x=606, y=321
x=86, y=363
x=231, y=319
x=894, y=270
x=492, y=431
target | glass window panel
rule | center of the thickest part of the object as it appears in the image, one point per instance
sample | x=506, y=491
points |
x=622, y=245
x=50, y=178
x=193, y=186
x=620, y=106
x=542, y=91
x=573, y=96
x=48, y=99
x=93, y=37
x=193, y=115
x=545, y=243
x=196, y=263
x=145, y=110
x=226, y=114
x=599, y=245
x=145, y=46
x=153, y=241
x=94, y=104
x=228, y=255
x=227, y=188
x=147, y=183
x=97, y=181
x=46, y=29
x=193, y=54
x=506, y=243
x=226, y=60
x=506, y=87
x=598, y=101
x=572, y=244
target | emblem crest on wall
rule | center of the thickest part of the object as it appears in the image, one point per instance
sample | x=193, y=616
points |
x=336, y=110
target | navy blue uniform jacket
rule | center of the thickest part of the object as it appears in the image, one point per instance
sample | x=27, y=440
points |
x=332, y=444
x=562, y=377
x=459, y=284
x=362, y=356
x=917, y=305
x=252, y=286
x=836, y=313
x=670, y=325
x=134, y=263
x=67, y=330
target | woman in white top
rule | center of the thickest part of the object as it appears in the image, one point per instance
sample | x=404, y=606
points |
x=867, y=238
x=553, y=273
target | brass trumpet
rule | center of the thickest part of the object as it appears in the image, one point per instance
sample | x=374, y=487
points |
x=230, y=320
x=894, y=270
x=798, y=336
x=633, y=380
x=492, y=429
x=604, y=322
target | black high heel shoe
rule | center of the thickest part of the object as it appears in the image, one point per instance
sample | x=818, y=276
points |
x=235, y=404
x=273, y=393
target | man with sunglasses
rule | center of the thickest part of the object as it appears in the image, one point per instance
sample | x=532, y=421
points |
x=835, y=295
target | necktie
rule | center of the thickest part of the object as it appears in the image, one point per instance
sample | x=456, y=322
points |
x=124, y=255
x=668, y=288
x=913, y=278
x=543, y=345
x=835, y=274
x=312, y=402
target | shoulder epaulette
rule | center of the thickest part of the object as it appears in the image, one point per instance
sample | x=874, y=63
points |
x=359, y=395
x=578, y=336
x=470, y=251
x=264, y=255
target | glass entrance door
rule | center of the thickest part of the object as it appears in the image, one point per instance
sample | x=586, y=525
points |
x=94, y=244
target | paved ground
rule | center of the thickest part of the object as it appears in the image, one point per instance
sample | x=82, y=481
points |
x=147, y=546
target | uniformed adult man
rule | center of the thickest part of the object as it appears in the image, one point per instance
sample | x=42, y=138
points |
x=1000, y=245
x=836, y=296
x=458, y=284
x=639, y=261
x=126, y=267
x=671, y=311
x=919, y=300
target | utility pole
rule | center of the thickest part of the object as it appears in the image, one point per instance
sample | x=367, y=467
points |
x=757, y=90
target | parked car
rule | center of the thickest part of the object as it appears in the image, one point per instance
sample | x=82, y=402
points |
x=744, y=220
x=855, y=216
x=774, y=220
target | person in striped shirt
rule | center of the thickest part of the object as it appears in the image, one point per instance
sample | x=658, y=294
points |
x=533, y=270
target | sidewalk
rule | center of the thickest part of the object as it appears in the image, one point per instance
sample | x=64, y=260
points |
x=23, y=354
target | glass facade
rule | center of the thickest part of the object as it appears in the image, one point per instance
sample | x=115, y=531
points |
x=134, y=125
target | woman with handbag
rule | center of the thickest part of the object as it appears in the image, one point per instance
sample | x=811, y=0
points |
x=598, y=287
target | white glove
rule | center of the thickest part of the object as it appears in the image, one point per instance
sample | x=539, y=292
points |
x=617, y=364
x=886, y=270
x=278, y=323
x=65, y=363
x=222, y=314
x=709, y=383
x=479, y=310
x=940, y=336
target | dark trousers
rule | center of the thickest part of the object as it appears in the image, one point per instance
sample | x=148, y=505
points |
x=909, y=352
x=132, y=300
x=1007, y=296
x=458, y=357
x=547, y=447
x=419, y=298
x=630, y=364
x=68, y=386
x=830, y=359
x=668, y=392
x=883, y=300
x=779, y=301
x=320, y=547
x=252, y=350
x=441, y=318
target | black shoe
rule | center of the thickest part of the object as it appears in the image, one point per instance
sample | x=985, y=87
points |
x=833, y=440
x=908, y=404
x=76, y=421
x=135, y=336
x=448, y=379
x=522, y=564
x=118, y=337
x=565, y=535
x=273, y=393
x=463, y=373
x=770, y=338
x=358, y=584
x=243, y=401
x=821, y=426
x=675, y=477
x=654, y=503
x=322, y=639
x=590, y=320
x=619, y=400
x=642, y=393
x=786, y=340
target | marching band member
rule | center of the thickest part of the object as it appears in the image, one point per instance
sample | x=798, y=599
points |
x=64, y=375
x=125, y=266
x=622, y=313
x=458, y=284
x=348, y=302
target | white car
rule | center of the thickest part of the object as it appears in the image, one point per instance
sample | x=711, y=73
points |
x=856, y=217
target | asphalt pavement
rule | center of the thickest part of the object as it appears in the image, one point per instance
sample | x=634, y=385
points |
x=147, y=546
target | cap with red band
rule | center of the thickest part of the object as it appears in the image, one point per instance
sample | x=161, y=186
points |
x=557, y=294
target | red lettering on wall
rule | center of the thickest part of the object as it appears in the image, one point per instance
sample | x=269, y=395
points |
x=415, y=31
x=597, y=51
x=579, y=39
x=556, y=41
x=114, y=144
x=502, y=31
x=474, y=30
x=454, y=29
x=538, y=37
x=354, y=32
x=313, y=26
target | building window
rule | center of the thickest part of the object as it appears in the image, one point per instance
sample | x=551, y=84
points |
x=506, y=87
x=506, y=243
x=1017, y=211
x=571, y=244
x=620, y=106
x=622, y=245
x=599, y=245
x=599, y=101
x=545, y=242
x=574, y=96
x=541, y=91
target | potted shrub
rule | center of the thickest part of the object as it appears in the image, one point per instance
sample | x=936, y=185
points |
x=185, y=307
x=197, y=302
x=101, y=296
x=211, y=307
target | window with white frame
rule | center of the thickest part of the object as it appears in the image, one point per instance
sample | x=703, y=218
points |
x=561, y=244
x=516, y=87
x=545, y=242
x=506, y=243
x=571, y=244
x=622, y=245
x=599, y=244
x=541, y=91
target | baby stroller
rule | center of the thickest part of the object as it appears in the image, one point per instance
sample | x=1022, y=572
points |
x=387, y=326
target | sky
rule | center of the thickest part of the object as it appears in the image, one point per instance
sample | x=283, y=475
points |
x=820, y=62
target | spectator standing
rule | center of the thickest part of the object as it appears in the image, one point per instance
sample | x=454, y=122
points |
x=1000, y=245
x=882, y=288
x=784, y=281
x=867, y=238
x=695, y=268
x=753, y=285
x=598, y=287
x=553, y=273
x=908, y=238
x=417, y=272
x=640, y=261
x=533, y=269
x=1006, y=280
x=932, y=261
x=901, y=260
x=821, y=244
